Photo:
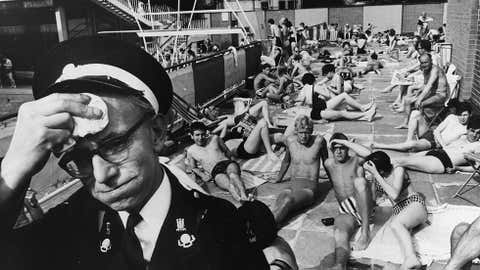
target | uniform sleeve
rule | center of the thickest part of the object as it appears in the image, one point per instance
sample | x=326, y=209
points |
x=29, y=247
x=236, y=251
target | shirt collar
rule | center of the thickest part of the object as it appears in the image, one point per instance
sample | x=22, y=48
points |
x=155, y=210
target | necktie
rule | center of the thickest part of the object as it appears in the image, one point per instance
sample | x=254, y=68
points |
x=131, y=244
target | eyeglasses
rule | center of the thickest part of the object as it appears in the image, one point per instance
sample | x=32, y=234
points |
x=77, y=161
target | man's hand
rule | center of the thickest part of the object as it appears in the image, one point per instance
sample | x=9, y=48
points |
x=338, y=141
x=42, y=126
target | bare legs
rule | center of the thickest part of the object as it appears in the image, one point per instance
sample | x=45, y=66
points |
x=262, y=107
x=329, y=114
x=344, y=98
x=300, y=194
x=232, y=182
x=345, y=225
x=465, y=245
x=401, y=224
x=258, y=135
x=428, y=164
x=415, y=145
x=365, y=204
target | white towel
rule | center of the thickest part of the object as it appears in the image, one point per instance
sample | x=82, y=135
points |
x=432, y=242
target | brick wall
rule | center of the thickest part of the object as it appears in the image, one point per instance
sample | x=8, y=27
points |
x=350, y=15
x=276, y=15
x=412, y=12
x=462, y=32
x=475, y=96
x=222, y=40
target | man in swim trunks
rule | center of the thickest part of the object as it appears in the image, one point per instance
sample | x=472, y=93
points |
x=303, y=156
x=450, y=158
x=263, y=79
x=448, y=131
x=256, y=137
x=215, y=162
x=431, y=97
x=372, y=65
x=313, y=95
x=353, y=194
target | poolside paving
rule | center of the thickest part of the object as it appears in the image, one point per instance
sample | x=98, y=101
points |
x=312, y=241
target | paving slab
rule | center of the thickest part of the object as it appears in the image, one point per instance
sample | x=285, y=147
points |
x=358, y=127
x=446, y=193
x=315, y=246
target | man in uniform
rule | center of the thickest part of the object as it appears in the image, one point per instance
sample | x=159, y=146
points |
x=304, y=153
x=132, y=212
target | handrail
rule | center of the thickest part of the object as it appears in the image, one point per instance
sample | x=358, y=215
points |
x=203, y=58
x=172, y=68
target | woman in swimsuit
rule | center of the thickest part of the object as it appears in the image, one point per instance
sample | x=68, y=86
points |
x=409, y=209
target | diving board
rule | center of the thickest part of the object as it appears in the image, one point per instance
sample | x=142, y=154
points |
x=181, y=32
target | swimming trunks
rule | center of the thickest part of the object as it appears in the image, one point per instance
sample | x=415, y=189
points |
x=243, y=154
x=430, y=138
x=349, y=207
x=442, y=156
x=221, y=167
x=318, y=105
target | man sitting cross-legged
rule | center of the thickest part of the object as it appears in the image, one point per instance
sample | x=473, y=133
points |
x=448, y=131
x=215, y=160
x=303, y=156
x=353, y=194
x=446, y=160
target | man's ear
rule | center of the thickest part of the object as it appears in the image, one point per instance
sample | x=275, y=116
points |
x=159, y=132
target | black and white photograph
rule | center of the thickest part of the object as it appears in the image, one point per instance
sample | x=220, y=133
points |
x=239, y=134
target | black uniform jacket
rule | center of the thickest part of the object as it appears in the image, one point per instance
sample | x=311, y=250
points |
x=70, y=236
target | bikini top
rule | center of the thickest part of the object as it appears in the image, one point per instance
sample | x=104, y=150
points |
x=379, y=191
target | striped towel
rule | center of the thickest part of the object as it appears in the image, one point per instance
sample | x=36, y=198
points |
x=261, y=164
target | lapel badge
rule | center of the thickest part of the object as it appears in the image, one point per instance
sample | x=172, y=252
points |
x=106, y=244
x=181, y=225
x=186, y=240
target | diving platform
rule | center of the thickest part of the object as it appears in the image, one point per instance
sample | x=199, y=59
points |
x=181, y=32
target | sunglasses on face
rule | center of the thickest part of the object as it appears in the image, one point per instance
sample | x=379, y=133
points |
x=77, y=161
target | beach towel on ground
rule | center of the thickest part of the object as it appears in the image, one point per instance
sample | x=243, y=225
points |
x=432, y=242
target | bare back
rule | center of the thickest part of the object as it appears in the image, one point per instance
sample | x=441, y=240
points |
x=342, y=176
x=305, y=159
x=209, y=155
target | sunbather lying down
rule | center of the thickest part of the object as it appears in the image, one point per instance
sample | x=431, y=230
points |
x=330, y=110
x=210, y=159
